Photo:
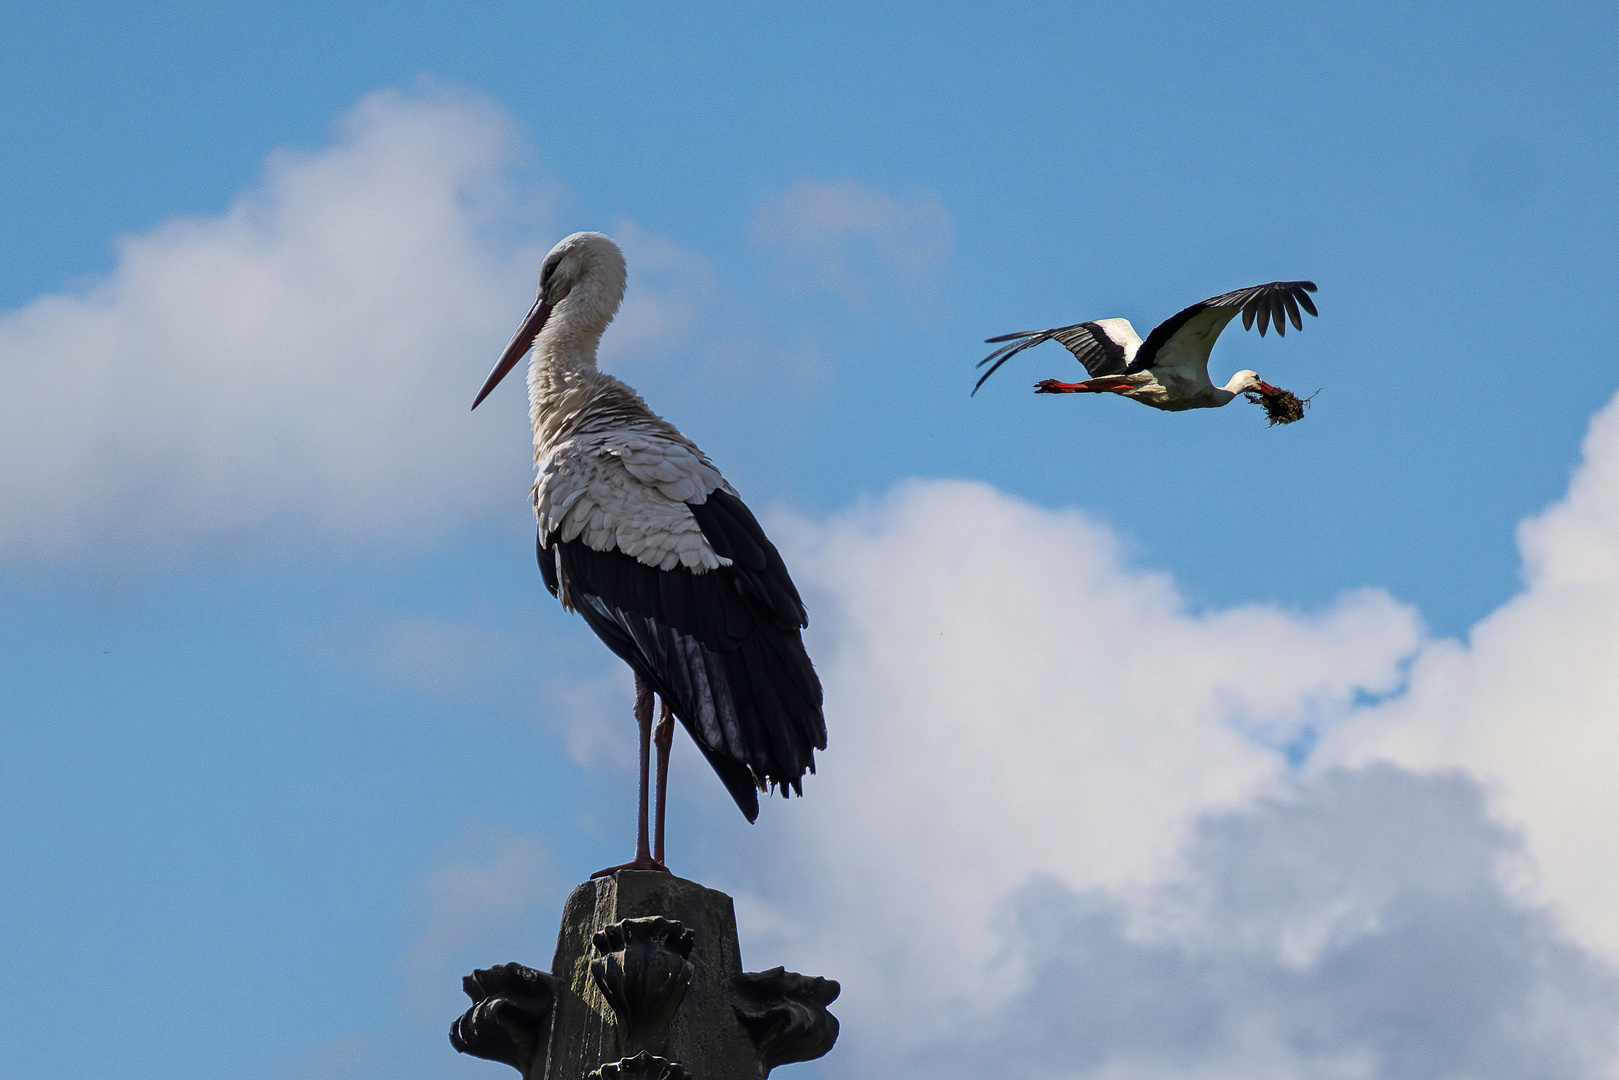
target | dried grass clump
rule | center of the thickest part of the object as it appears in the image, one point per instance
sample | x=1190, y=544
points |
x=1283, y=406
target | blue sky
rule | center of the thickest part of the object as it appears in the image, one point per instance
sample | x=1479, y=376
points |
x=295, y=735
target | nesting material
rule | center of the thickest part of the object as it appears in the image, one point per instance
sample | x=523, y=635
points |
x=1282, y=406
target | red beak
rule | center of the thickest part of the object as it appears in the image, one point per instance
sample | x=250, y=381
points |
x=521, y=343
x=1267, y=387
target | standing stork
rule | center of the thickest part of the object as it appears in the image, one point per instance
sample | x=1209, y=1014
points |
x=641, y=535
x=1170, y=370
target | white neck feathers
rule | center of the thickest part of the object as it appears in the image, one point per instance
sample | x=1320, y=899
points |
x=565, y=389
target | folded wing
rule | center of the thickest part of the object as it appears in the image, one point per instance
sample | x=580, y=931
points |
x=693, y=596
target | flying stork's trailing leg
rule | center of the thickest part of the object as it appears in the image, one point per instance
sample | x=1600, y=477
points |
x=1107, y=384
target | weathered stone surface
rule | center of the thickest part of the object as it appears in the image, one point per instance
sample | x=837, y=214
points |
x=510, y=1017
x=785, y=1012
x=641, y=968
x=648, y=985
x=642, y=1066
x=587, y=1031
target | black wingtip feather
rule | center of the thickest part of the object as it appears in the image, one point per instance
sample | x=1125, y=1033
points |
x=1293, y=311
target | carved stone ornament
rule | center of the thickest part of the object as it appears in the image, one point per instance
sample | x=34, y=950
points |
x=510, y=1017
x=642, y=969
x=785, y=1012
x=642, y=1066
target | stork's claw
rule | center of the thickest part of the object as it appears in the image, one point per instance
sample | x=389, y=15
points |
x=1052, y=386
x=647, y=863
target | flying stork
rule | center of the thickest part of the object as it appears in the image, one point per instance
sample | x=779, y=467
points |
x=1170, y=370
x=640, y=534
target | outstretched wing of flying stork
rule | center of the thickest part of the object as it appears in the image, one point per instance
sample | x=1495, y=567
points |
x=1184, y=340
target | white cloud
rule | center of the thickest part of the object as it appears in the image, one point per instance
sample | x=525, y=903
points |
x=306, y=354
x=1529, y=704
x=1415, y=962
x=1018, y=718
x=845, y=237
x=308, y=357
x=1007, y=699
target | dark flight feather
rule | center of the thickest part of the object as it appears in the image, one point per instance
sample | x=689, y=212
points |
x=723, y=648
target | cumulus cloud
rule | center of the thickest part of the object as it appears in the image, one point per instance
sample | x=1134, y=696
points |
x=1353, y=925
x=296, y=356
x=846, y=238
x=1529, y=703
x=1009, y=698
x=1061, y=831
x=308, y=357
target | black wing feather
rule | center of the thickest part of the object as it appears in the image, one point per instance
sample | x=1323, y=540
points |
x=1268, y=304
x=1089, y=343
x=722, y=648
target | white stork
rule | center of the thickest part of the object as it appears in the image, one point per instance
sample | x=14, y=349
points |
x=641, y=535
x=1170, y=370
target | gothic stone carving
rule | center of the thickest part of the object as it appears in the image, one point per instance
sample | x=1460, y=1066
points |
x=642, y=1066
x=642, y=969
x=510, y=1017
x=785, y=1012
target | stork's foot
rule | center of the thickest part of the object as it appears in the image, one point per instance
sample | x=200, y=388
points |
x=1052, y=386
x=646, y=863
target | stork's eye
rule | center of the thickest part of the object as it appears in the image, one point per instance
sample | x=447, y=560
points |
x=550, y=268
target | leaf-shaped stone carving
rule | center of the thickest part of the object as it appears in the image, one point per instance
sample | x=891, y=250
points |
x=642, y=969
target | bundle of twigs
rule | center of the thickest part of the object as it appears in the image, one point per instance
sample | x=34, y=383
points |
x=1282, y=406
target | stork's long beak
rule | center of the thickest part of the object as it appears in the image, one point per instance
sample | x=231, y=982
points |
x=1267, y=387
x=520, y=344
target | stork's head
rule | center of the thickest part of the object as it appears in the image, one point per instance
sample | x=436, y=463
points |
x=582, y=282
x=1249, y=382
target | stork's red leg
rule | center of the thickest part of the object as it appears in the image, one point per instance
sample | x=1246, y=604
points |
x=1102, y=384
x=643, y=720
x=662, y=736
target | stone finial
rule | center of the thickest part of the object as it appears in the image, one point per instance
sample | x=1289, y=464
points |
x=642, y=1066
x=642, y=969
x=786, y=1014
x=510, y=1017
x=647, y=984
